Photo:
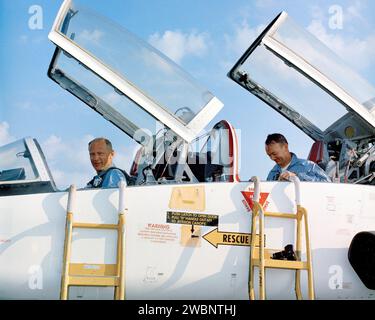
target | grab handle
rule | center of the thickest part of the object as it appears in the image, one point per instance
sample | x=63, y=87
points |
x=256, y=188
x=296, y=182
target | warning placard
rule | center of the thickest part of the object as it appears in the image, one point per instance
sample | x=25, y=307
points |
x=160, y=233
x=199, y=219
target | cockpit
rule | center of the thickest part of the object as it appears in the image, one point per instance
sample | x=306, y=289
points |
x=303, y=80
x=134, y=86
x=23, y=169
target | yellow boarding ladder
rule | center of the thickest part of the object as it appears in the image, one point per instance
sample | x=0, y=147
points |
x=96, y=275
x=261, y=257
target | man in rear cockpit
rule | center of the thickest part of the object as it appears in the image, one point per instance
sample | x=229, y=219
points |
x=101, y=156
x=287, y=163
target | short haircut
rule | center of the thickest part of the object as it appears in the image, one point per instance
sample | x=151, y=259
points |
x=276, y=138
x=107, y=142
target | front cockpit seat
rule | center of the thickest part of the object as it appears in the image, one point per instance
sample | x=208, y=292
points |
x=319, y=154
x=222, y=148
x=134, y=167
x=216, y=161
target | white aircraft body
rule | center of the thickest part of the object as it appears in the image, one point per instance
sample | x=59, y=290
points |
x=188, y=215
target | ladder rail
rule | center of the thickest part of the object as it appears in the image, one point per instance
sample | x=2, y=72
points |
x=67, y=243
x=251, y=264
x=258, y=208
x=310, y=273
x=262, y=271
x=120, y=290
x=298, y=289
x=302, y=214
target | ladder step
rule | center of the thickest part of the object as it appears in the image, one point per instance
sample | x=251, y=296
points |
x=280, y=215
x=95, y=225
x=91, y=269
x=93, y=281
x=282, y=264
x=274, y=263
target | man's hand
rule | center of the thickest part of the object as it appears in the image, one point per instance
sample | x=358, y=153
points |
x=285, y=176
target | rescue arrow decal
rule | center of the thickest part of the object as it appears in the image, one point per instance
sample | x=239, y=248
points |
x=216, y=237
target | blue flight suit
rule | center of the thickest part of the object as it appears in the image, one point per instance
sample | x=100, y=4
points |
x=305, y=170
x=109, y=178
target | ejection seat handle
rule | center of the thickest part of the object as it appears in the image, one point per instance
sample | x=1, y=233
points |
x=297, y=189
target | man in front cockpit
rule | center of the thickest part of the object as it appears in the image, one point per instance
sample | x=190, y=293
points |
x=101, y=157
x=287, y=163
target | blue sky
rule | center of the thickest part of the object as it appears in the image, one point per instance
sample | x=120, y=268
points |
x=205, y=37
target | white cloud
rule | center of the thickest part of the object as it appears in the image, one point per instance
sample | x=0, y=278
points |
x=7, y=156
x=238, y=42
x=27, y=40
x=91, y=36
x=23, y=39
x=265, y=3
x=177, y=45
x=359, y=53
x=5, y=136
x=350, y=14
x=153, y=60
x=243, y=37
x=113, y=98
x=53, y=146
x=353, y=12
x=68, y=160
x=30, y=105
x=26, y=105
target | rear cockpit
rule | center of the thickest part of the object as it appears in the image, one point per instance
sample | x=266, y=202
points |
x=303, y=80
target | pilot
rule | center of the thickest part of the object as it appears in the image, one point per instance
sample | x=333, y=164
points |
x=287, y=163
x=108, y=175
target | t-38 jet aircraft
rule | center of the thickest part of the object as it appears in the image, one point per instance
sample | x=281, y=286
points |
x=189, y=228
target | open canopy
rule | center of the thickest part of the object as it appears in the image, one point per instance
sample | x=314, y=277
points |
x=298, y=76
x=124, y=79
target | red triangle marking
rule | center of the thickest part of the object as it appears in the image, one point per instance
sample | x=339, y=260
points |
x=249, y=195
